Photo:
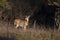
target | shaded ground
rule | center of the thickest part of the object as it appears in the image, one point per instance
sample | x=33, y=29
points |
x=5, y=38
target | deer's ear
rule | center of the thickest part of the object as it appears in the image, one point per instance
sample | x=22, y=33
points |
x=28, y=16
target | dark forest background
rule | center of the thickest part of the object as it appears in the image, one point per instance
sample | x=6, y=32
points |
x=43, y=12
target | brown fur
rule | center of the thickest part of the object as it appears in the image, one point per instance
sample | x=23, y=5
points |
x=21, y=23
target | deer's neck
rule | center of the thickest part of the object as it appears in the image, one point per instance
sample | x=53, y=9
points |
x=27, y=20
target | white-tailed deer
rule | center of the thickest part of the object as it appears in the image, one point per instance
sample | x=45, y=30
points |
x=22, y=23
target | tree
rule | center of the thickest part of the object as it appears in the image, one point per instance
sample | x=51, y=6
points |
x=49, y=2
x=5, y=4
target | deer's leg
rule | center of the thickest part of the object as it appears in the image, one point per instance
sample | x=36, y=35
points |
x=24, y=27
x=17, y=26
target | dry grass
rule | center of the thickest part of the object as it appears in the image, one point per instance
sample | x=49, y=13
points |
x=29, y=34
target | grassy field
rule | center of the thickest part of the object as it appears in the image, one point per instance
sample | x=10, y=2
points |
x=30, y=34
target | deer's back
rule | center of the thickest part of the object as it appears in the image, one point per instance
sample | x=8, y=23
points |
x=20, y=22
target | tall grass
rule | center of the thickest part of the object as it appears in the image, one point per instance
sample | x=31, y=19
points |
x=30, y=34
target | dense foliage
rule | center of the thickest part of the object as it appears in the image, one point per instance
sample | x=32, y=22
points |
x=5, y=4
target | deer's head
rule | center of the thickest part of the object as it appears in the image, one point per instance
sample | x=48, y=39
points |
x=27, y=18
